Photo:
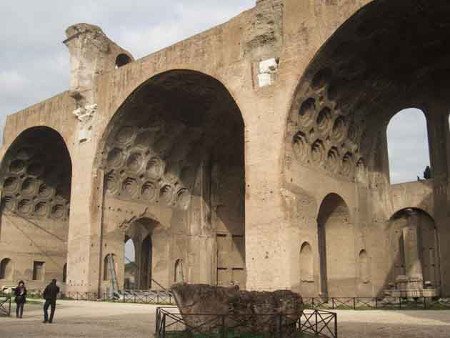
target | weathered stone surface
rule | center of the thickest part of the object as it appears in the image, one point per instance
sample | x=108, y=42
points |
x=246, y=311
x=254, y=153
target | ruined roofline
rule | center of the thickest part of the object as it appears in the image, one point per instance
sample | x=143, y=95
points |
x=79, y=29
x=205, y=32
x=60, y=95
x=75, y=30
x=64, y=106
x=102, y=40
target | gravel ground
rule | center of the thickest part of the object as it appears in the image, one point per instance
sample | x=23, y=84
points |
x=388, y=323
x=92, y=319
x=82, y=319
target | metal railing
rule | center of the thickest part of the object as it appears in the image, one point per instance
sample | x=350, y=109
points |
x=125, y=296
x=170, y=323
x=319, y=323
x=362, y=303
x=5, y=304
x=163, y=297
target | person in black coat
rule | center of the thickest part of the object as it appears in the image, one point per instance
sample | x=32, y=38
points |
x=20, y=293
x=50, y=295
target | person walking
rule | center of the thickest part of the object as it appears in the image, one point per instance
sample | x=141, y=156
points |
x=50, y=294
x=20, y=293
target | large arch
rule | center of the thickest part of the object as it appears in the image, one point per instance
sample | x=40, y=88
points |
x=35, y=175
x=338, y=275
x=174, y=152
x=414, y=245
x=368, y=70
x=375, y=64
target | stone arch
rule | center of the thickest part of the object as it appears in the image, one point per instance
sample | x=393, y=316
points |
x=306, y=263
x=176, y=147
x=336, y=248
x=6, y=269
x=364, y=267
x=143, y=234
x=179, y=271
x=414, y=243
x=353, y=86
x=36, y=175
x=107, y=273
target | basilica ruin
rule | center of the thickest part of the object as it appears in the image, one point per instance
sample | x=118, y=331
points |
x=252, y=154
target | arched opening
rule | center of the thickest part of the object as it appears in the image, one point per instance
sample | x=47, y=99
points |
x=122, y=60
x=146, y=276
x=373, y=66
x=414, y=251
x=64, y=277
x=6, y=269
x=363, y=267
x=306, y=263
x=336, y=248
x=179, y=271
x=175, y=149
x=109, y=267
x=130, y=267
x=36, y=174
x=140, y=272
x=407, y=139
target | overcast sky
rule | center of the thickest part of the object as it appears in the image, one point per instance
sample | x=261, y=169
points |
x=34, y=64
x=407, y=145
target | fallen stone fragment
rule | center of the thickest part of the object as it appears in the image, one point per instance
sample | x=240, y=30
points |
x=206, y=308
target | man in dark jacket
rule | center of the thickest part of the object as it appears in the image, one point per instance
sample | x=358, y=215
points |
x=50, y=294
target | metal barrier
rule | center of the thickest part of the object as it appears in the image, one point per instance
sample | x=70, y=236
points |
x=391, y=303
x=319, y=323
x=88, y=296
x=125, y=296
x=170, y=323
x=163, y=297
x=145, y=297
x=5, y=304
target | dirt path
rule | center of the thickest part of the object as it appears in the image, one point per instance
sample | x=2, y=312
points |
x=83, y=319
x=379, y=323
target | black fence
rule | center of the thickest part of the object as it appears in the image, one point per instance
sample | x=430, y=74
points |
x=330, y=303
x=171, y=324
x=5, y=304
x=127, y=296
x=366, y=303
